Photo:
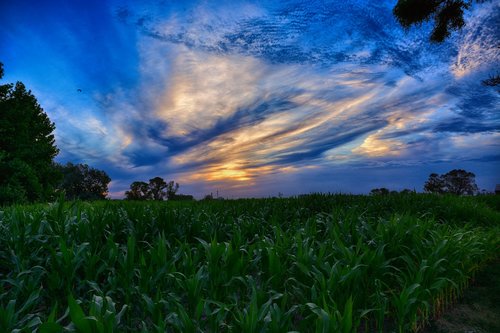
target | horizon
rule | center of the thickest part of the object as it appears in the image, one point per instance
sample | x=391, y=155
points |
x=254, y=99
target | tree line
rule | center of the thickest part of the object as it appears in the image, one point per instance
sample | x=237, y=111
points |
x=156, y=189
x=457, y=181
x=28, y=172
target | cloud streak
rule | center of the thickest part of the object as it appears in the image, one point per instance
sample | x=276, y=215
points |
x=239, y=96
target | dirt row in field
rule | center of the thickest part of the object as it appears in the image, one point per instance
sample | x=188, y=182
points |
x=479, y=309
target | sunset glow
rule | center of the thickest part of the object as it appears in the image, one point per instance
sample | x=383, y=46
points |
x=259, y=98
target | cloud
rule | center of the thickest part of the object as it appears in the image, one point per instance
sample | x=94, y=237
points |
x=295, y=32
x=246, y=95
x=479, y=48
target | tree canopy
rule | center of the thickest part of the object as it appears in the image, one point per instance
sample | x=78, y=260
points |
x=456, y=181
x=448, y=15
x=27, y=146
x=83, y=182
x=156, y=189
x=138, y=191
x=380, y=191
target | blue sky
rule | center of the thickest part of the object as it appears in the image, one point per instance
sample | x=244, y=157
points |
x=256, y=98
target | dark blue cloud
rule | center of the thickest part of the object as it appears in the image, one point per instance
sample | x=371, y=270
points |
x=463, y=125
x=312, y=32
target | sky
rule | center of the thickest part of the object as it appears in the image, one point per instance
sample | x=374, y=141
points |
x=259, y=98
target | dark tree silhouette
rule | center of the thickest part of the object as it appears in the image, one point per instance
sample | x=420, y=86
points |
x=138, y=191
x=457, y=181
x=435, y=184
x=448, y=15
x=380, y=191
x=27, y=146
x=182, y=197
x=208, y=197
x=171, y=189
x=157, y=189
x=492, y=81
x=83, y=182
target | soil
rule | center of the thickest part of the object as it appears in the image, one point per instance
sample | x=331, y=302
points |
x=479, y=309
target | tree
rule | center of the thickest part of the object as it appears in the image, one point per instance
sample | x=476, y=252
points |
x=182, y=197
x=492, y=81
x=171, y=189
x=460, y=182
x=380, y=191
x=448, y=15
x=457, y=181
x=83, y=182
x=157, y=189
x=27, y=146
x=138, y=191
x=208, y=197
x=435, y=184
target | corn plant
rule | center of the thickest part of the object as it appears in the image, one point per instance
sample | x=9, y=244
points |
x=316, y=263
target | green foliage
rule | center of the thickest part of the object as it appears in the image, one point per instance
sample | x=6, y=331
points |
x=315, y=263
x=27, y=147
x=83, y=182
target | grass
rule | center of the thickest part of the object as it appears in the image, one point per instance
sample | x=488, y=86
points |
x=317, y=263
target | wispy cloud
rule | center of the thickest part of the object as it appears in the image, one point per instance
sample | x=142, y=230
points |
x=479, y=48
x=245, y=95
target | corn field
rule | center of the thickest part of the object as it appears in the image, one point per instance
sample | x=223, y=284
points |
x=316, y=263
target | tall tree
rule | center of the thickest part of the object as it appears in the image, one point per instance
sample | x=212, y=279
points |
x=27, y=146
x=456, y=181
x=460, y=182
x=83, y=182
x=156, y=189
x=435, y=184
x=138, y=191
x=171, y=189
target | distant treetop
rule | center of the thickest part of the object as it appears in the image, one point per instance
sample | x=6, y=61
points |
x=156, y=189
